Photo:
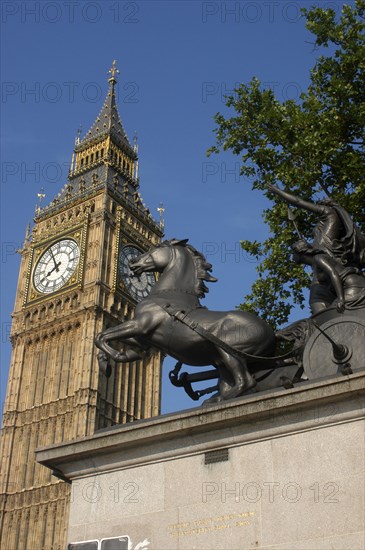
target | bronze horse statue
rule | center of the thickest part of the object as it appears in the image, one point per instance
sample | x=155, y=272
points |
x=183, y=271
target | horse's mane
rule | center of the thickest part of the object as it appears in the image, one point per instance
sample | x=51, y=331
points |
x=201, y=265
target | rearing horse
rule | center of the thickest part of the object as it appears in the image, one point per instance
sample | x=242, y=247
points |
x=183, y=271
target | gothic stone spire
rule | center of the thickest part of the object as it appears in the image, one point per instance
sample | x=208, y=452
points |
x=108, y=122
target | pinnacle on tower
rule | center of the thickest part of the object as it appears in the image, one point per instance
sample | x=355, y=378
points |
x=102, y=157
x=108, y=121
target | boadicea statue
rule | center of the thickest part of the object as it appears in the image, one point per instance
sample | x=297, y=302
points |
x=337, y=242
x=242, y=348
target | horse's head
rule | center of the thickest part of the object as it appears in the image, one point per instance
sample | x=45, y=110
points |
x=156, y=259
x=187, y=269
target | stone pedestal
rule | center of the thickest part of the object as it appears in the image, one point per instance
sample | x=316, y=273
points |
x=281, y=470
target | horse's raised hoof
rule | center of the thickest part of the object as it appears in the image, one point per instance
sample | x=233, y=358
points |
x=104, y=364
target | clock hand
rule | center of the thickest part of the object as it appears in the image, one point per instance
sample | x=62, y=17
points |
x=54, y=259
x=56, y=267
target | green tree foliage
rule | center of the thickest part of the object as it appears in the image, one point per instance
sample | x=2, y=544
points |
x=314, y=147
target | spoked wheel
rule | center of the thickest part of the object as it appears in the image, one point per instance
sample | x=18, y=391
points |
x=338, y=345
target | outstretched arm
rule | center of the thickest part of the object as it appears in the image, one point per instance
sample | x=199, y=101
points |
x=297, y=201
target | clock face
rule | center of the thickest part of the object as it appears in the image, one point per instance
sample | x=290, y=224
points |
x=56, y=265
x=138, y=287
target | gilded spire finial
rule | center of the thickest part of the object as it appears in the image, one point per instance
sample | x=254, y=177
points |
x=161, y=210
x=78, y=135
x=40, y=196
x=113, y=71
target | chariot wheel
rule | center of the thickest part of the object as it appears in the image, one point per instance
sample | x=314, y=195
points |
x=338, y=345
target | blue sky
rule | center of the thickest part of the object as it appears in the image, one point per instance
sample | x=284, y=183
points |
x=177, y=60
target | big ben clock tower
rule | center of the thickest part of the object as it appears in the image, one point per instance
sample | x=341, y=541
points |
x=74, y=282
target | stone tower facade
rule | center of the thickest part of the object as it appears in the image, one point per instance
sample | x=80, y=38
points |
x=72, y=285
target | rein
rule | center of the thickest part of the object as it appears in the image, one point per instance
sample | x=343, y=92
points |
x=164, y=291
x=182, y=316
